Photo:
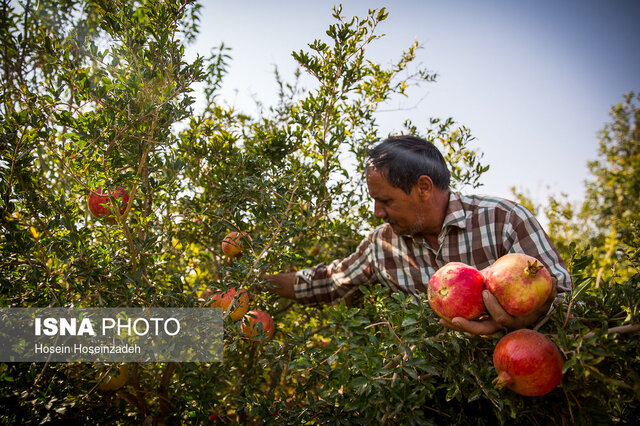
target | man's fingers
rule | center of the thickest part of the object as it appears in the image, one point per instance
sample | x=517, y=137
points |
x=496, y=310
x=448, y=324
x=499, y=319
x=484, y=327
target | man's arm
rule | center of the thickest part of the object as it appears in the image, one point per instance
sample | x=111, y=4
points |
x=325, y=284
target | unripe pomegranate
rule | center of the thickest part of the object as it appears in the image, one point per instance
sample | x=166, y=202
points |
x=99, y=205
x=527, y=362
x=116, y=381
x=233, y=245
x=455, y=290
x=223, y=300
x=253, y=320
x=519, y=282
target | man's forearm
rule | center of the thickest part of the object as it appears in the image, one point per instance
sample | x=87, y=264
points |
x=283, y=284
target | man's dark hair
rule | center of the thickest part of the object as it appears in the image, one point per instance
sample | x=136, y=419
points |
x=403, y=159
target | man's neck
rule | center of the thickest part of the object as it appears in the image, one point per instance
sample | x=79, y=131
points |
x=439, y=207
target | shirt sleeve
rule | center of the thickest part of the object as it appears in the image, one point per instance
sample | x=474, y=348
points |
x=524, y=234
x=327, y=284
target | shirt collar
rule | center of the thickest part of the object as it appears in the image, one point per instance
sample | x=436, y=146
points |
x=456, y=215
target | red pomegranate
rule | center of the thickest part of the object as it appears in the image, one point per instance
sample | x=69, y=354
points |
x=99, y=205
x=250, y=326
x=233, y=243
x=223, y=300
x=527, y=362
x=520, y=283
x=455, y=290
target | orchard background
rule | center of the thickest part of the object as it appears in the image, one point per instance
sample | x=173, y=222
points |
x=99, y=93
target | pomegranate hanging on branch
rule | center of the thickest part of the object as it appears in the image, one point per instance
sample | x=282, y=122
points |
x=528, y=363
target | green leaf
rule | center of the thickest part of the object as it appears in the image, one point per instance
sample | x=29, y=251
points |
x=359, y=382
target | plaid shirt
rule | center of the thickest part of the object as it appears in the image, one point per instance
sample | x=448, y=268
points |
x=477, y=230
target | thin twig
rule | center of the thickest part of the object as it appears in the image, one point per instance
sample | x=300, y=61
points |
x=622, y=329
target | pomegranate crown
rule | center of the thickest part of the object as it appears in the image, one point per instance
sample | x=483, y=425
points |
x=502, y=380
x=532, y=268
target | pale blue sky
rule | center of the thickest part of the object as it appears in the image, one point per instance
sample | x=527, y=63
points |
x=533, y=80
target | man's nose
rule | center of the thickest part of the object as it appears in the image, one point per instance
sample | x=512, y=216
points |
x=378, y=211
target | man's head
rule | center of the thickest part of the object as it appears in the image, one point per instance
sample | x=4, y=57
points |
x=405, y=158
x=409, y=181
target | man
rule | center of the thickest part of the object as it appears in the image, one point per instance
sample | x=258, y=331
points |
x=426, y=226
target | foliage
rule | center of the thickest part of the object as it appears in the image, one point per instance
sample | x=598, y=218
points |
x=606, y=220
x=562, y=223
x=612, y=203
x=98, y=93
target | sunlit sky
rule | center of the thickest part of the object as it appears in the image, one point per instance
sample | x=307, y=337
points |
x=533, y=80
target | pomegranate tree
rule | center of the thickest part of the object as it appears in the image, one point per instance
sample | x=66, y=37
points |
x=455, y=290
x=527, y=362
x=519, y=282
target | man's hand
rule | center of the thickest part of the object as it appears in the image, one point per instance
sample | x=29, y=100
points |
x=283, y=284
x=498, y=318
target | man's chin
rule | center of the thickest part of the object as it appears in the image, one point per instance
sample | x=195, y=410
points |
x=398, y=229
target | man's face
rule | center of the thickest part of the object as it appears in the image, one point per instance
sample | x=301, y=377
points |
x=402, y=211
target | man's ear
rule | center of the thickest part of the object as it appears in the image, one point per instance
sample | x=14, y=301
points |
x=425, y=186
